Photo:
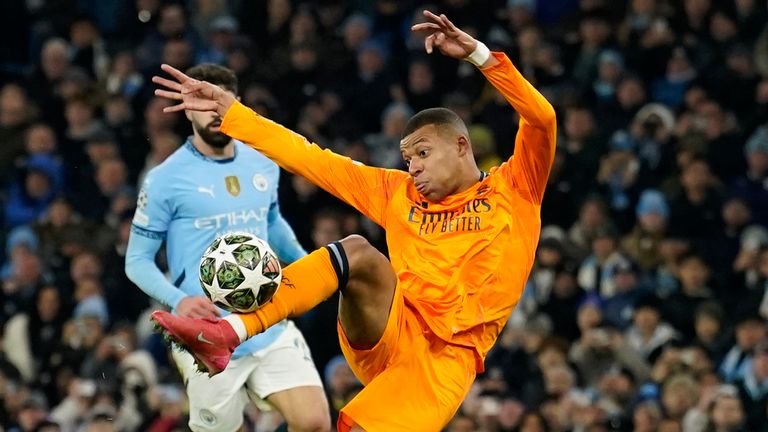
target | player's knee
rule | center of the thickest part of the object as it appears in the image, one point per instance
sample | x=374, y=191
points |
x=361, y=255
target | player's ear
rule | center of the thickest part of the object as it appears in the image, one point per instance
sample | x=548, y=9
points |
x=239, y=99
x=463, y=145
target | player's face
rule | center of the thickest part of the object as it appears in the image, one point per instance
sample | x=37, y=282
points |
x=433, y=158
x=206, y=125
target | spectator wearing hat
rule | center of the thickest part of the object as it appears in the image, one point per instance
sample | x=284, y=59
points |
x=39, y=182
x=618, y=177
x=753, y=387
x=643, y=243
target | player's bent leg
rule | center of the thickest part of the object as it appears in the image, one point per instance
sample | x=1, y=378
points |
x=366, y=298
x=305, y=409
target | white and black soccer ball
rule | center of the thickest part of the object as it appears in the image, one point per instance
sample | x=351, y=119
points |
x=239, y=272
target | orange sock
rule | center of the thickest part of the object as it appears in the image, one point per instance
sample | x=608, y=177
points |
x=305, y=284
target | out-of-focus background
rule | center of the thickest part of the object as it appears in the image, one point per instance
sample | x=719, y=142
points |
x=646, y=309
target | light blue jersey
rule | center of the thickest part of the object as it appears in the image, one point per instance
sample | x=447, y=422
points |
x=189, y=200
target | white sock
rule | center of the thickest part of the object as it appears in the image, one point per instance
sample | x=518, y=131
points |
x=238, y=325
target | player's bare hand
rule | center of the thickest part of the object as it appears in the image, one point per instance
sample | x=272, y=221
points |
x=197, y=307
x=445, y=36
x=192, y=94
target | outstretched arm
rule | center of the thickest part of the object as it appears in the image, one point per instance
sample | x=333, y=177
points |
x=529, y=168
x=365, y=188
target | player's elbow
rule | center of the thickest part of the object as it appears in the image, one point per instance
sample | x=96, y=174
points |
x=548, y=117
x=133, y=265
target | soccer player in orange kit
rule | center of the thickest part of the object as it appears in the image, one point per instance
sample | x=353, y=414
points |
x=415, y=330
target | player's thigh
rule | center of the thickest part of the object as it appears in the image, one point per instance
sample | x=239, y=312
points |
x=368, y=362
x=420, y=391
x=366, y=299
x=286, y=365
x=215, y=403
x=403, y=400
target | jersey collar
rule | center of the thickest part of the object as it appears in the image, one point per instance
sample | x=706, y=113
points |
x=188, y=144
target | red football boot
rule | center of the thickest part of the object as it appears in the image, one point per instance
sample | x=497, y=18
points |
x=210, y=342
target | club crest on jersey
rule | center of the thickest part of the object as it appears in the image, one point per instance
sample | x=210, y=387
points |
x=233, y=185
x=260, y=182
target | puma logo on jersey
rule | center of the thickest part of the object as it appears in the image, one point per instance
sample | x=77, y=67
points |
x=206, y=190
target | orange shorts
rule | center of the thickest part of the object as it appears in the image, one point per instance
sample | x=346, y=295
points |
x=413, y=380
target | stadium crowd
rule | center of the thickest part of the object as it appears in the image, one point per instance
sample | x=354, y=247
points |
x=646, y=310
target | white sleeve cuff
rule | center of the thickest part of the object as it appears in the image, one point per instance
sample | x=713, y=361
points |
x=480, y=55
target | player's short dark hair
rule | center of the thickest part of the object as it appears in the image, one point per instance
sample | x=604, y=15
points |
x=433, y=116
x=214, y=74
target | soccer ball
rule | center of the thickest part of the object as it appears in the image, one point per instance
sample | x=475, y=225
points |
x=239, y=272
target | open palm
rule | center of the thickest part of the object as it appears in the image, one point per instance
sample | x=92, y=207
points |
x=445, y=36
x=192, y=94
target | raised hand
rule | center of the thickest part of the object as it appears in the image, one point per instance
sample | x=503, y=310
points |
x=192, y=94
x=445, y=36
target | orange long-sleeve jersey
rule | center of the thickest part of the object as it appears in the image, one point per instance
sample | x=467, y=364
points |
x=462, y=262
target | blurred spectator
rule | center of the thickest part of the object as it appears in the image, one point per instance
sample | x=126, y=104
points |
x=16, y=111
x=89, y=48
x=753, y=186
x=31, y=338
x=644, y=241
x=384, y=147
x=40, y=180
x=750, y=330
x=679, y=307
x=753, y=387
